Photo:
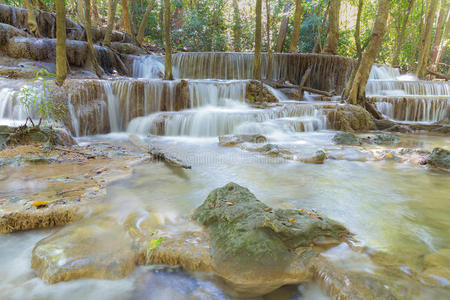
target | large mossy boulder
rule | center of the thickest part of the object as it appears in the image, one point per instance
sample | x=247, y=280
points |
x=439, y=158
x=252, y=239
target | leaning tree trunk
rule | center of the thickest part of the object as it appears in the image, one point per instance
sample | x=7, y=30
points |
x=236, y=27
x=91, y=56
x=425, y=44
x=297, y=20
x=269, y=46
x=257, y=56
x=31, y=19
x=148, y=10
x=283, y=27
x=333, y=28
x=440, y=34
x=61, y=58
x=401, y=34
x=126, y=17
x=346, y=91
x=112, y=6
x=358, y=86
x=167, y=43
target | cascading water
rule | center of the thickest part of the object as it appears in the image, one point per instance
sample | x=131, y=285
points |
x=102, y=106
x=329, y=72
x=148, y=66
x=405, y=98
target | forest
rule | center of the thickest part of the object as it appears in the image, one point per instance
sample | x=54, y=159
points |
x=224, y=149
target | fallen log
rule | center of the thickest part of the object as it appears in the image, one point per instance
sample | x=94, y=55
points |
x=278, y=85
x=158, y=154
x=314, y=91
x=438, y=75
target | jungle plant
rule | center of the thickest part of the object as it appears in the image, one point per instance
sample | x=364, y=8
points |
x=40, y=103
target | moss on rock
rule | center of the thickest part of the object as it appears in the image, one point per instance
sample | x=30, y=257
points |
x=248, y=236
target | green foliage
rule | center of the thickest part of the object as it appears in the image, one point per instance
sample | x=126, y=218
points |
x=39, y=102
x=204, y=26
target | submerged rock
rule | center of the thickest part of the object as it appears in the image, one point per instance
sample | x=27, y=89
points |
x=232, y=139
x=385, y=139
x=97, y=248
x=439, y=158
x=252, y=243
x=346, y=138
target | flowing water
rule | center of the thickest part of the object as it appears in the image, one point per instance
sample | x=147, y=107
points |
x=395, y=208
x=406, y=98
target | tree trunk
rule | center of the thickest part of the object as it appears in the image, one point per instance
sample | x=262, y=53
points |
x=318, y=43
x=357, y=30
x=112, y=6
x=131, y=17
x=401, y=34
x=425, y=44
x=358, y=86
x=257, y=56
x=161, y=20
x=413, y=55
x=297, y=21
x=126, y=17
x=95, y=12
x=442, y=47
x=346, y=91
x=80, y=11
x=440, y=34
x=333, y=28
x=269, y=45
x=148, y=10
x=31, y=19
x=236, y=27
x=283, y=27
x=168, y=57
x=92, y=60
x=61, y=58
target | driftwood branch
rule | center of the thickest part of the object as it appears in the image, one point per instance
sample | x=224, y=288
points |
x=158, y=154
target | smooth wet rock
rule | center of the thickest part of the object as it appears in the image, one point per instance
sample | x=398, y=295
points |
x=234, y=139
x=318, y=158
x=348, y=118
x=251, y=243
x=346, y=138
x=439, y=158
x=97, y=248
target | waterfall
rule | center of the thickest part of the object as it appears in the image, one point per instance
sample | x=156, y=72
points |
x=406, y=98
x=329, y=72
x=234, y=117
x=414, y=109
x=102, y=106
x=216, y=92
x=148, y=66
x=12, y=111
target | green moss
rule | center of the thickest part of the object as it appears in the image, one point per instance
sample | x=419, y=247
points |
x=245, y=232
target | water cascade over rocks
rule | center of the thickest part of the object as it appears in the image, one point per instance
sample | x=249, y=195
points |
x=405, y=98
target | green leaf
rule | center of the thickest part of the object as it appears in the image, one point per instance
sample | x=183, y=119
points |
x=154, y=243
